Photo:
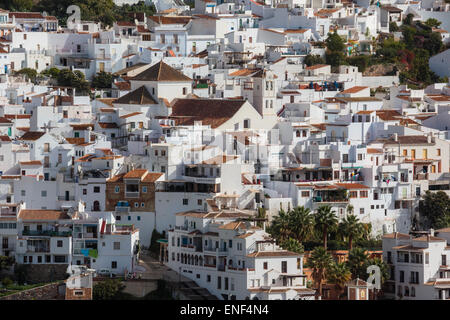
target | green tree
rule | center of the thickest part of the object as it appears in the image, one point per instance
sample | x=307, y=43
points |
x=52, y=73
x=311, y=60
x=18, y=5
x=338, y=274
x=393, y=27
x=75, y=79
x=408, y=19
x=293, y=245
x=357, y=260
x=30, y=73
x=433, y=23
x=325, y=221
x=280, y=228
x=335, y=43
x=102, y=80
x=109, y=289
x=434, y=209
x=320, y=261
x=351, y=228
x=6, y=262
x=301, y=223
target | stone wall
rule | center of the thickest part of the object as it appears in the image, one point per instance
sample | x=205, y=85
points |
x=46, y=292
x=38, y=273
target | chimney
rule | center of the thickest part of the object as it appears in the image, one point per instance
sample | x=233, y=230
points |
x=432, y=232
x=395, y=136
x=430, y=134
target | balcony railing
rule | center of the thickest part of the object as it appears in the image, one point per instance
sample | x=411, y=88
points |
x=123, y=209
x=64, y=198
x=46, y=233
x=131, y=194
x=421, y=176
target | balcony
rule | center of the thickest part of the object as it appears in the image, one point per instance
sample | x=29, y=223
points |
x=421, y=176
x=64, y=198
x=131, y=194
x=46, y=233
x=37, y=249
x=122, y=209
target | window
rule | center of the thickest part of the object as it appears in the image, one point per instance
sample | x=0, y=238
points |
x=361, y=210
x=284, y=266
x=184, y=91
x=185, y=202
x=60, y=259
x=208, y=278
x=43, y=193
x=265, y=265
x=96, y=189
x=113, y=264
x=138, y=218
x=199, y=202
x=116, y=245
x=305, y=194
x=136, y=204
x=402, y=276
x=39, y=259
x=117, y=189
x=85, y=191
x=246, y=123
x=363, y=194
x=219, y=283
x=59, y=244
x=360, y=156
x=353, y=194
x=156, y=152
x=22, y=193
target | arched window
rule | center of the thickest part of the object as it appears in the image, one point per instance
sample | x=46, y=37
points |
x=297, y=133
x=406, y=291
x=96, y=206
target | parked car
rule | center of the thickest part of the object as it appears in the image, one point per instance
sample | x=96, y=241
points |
x=105, y=273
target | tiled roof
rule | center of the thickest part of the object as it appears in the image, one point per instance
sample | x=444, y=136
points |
x=42, y=215
x=317, y=66
x=161, y=72
x=32, y=135
x=130, y=115
x=354, y=89
x=108, y=125
x=170, y=20
x=75, y=140
x=30, y=163
x=135, y=174
x=280, y=253
x=4, y=120
x=4, y=139
x=213, y=112
x=219, y=159
x=138, y=96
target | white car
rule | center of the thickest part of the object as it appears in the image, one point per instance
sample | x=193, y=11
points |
x=105, y=273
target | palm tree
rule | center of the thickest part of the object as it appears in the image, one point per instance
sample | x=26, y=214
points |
x=351, y=228
x=301, y=223
x=293, y=245
x=339, y=274
x=357, y=259
x=325, y=220
x=280, y=228
x=320, y=261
